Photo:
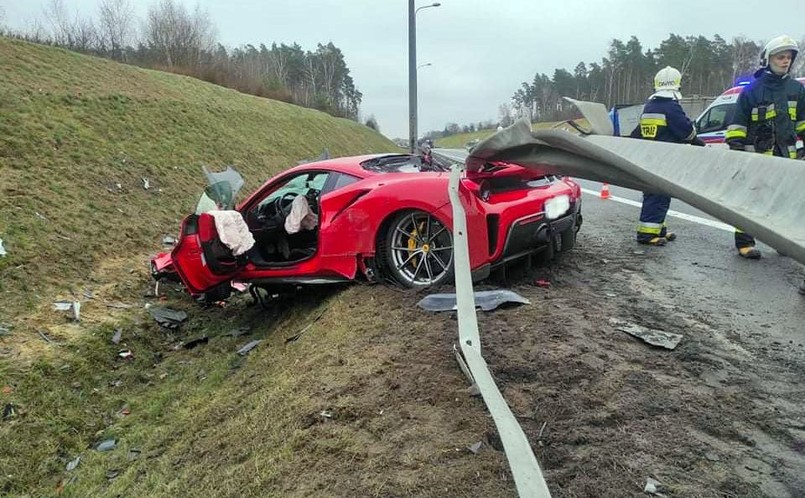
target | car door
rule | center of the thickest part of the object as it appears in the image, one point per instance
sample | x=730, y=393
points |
x=200, y=258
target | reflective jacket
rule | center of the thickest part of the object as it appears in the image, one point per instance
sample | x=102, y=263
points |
x=769, y=115
x=664, y=120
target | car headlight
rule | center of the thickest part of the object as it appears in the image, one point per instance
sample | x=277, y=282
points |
x=557, y=206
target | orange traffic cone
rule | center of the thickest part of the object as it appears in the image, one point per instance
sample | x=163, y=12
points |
x=605, y=191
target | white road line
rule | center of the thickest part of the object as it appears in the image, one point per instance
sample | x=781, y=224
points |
x=671, y=212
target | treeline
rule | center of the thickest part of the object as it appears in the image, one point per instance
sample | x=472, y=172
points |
x=625, y=75
x=173, y=38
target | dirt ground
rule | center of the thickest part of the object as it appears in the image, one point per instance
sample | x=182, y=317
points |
x=721, y=415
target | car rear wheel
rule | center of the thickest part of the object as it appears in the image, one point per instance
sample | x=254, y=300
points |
x=419, y=250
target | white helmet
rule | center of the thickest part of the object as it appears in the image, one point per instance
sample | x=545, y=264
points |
x=667, y=82
x=777, y=45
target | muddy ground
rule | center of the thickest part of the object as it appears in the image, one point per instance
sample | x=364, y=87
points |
x=721, y=415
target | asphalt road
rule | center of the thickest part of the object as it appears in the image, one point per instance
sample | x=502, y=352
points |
x=701, y=269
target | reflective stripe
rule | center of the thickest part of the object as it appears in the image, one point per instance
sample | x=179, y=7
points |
x=792, y=109
x=749, y=148
x=792, y=151
x=800, y=126
x=652, y=115
x=735, y=131
x=649, y=228
x=769, y=114
x=738, y=230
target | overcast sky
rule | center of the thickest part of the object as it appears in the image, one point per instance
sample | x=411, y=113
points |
x=480, y=50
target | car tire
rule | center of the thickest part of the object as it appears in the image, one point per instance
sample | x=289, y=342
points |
x=568, y=238
x=418, y=250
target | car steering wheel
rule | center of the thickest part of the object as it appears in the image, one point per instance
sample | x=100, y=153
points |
x=282, y=205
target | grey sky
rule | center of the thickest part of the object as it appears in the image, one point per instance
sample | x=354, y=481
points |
x=480, y=50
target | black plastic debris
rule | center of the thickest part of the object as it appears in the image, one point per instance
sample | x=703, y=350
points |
x=486, y=300
x=248, y=347
x=107, y=445
x=9, y=411
x=195, y=342
x=166, y=317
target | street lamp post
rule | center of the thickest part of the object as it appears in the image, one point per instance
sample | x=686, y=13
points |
x=412, y=68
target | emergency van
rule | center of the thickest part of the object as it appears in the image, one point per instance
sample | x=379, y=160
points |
x=711, y=125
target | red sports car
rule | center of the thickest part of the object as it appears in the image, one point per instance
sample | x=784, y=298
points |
x=371, y=217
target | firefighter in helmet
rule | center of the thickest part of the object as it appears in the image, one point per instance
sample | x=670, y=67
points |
x=769, y=117
x=662, y=120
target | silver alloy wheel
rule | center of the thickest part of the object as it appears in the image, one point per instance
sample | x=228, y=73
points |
x=419, y=249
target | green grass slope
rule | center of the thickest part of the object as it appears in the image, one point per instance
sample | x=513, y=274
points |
x=78, y=134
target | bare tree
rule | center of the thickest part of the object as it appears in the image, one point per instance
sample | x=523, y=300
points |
x=56, y=16
x=178, y=36
x=115, y=20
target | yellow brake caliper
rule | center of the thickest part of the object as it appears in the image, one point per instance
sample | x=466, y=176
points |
x=412, y=245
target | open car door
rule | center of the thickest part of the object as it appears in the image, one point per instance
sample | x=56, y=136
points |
x=201, y=259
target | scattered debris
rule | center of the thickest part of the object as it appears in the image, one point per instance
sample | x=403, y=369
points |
x=653, y=487
x=107, y=445
x=326, y=414
x=543, y=283
x=5, y=330
x=134, y=454
x=195, y=342
x=169, y=240
x=126, y=354
x=9, y=410
x=296, y=336
x=654, y=337
x=248, y=347
x=146, y=183
x=166, y=317
x=45, y=337
x=474, y=390
x=112, y=474
x=88, y=294
x=2, y=249
x=40, y=216
x=7, y=390
x=118, y=336
x=475, y=448
x=239, y=286
x=75, y=306
x=125, y=411
x=486, y=300
x=73, y=464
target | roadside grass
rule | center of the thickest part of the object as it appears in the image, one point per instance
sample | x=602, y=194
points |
x=77, y=137
x=79, y=134
x=459, y=140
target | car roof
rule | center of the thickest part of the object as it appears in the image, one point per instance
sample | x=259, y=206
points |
x=350, y=164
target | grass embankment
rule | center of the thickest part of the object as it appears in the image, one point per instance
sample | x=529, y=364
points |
x=77, y=137
x=460, y=140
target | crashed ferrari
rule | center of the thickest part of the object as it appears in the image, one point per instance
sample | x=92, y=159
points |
x=374, y=217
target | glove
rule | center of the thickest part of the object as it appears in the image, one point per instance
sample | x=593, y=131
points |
x=698, y=142
x=736, y=145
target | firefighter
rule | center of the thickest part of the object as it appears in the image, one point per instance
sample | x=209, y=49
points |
x=769, y=116
x=663, y=120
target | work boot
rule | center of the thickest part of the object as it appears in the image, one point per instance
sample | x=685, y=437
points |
x=654, y=241
x=749, y=252
x=802, y=288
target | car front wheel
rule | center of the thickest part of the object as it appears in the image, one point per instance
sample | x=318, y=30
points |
x=419, y=250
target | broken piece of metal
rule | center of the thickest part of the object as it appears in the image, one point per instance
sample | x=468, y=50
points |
x=486, y=300
x=654, y=337
x=248, y=347
x=166, y=317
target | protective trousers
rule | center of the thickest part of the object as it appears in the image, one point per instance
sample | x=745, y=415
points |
x=652, y=217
